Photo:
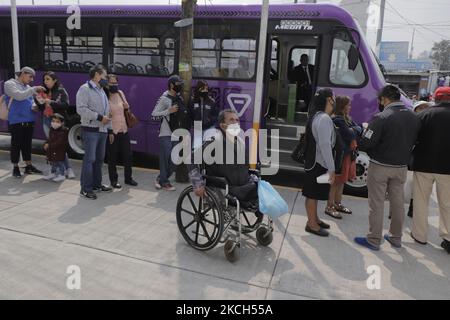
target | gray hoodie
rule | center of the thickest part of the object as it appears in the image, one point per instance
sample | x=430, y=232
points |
x=92, y=105
x=162, y=111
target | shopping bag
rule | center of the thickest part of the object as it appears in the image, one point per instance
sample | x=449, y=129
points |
x=270, y=201
x=4, y=108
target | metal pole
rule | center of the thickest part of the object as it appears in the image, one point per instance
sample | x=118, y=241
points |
x=412, y=44
x=380, y=25
x=15, y=36
x=259, y=81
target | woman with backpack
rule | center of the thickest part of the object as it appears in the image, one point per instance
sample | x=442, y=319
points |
x=349, y=132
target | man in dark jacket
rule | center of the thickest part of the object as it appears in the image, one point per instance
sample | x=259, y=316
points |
x=56, y=147
x=302, y=75
x=388, y=140
x=431, y=164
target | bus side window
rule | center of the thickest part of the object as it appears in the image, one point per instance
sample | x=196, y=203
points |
x=340, y=73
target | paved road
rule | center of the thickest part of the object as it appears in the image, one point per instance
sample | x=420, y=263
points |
x=127, y=246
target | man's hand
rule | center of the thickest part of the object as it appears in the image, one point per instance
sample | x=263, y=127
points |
x=46, y=146
x=199, y=192
x=38, y=88
x=173, y=109
x=332, y=175
x=111, y=138
x=105, y=120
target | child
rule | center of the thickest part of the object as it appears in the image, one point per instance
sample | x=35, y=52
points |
x=55, y=147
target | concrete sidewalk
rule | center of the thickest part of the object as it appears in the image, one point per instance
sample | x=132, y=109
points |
x=127, y=246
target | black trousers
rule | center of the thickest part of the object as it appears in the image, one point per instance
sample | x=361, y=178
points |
x=121, y=147
x=21, y=140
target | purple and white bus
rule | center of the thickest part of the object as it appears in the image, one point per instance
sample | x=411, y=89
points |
x=141, y=45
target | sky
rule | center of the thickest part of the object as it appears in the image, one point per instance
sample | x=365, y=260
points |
x=430, y=18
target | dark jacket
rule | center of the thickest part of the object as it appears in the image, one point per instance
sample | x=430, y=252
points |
x=57, y=144
x=432, y=151
x=348, y=131
x=299, y=75
x=391, y=136
x=60, y=101
x=204, y=110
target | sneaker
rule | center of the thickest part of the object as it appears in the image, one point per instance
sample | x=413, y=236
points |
x=103, y=188
x=30, y=169
x=116, y=185
x=394, y=244
x=131, y=183
x=88, y=195
x=50, y=176
x=169, y=187
x=59, y=178
x=70, y=174
x=16, y=172
x=157, y=184
x=362, y=241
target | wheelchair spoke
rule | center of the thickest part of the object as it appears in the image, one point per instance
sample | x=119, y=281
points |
x=189, y=224
x=192, y=203
x=210, y=222
x=205, y=231
x=188, y=212
x=196, y=232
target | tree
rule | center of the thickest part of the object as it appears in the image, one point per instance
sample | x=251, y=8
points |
x=440, y=53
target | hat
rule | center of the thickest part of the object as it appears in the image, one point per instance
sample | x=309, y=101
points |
x=175, y=79
x=420, y=103
x=58, y=116
x=26, y=70
x=442, y=93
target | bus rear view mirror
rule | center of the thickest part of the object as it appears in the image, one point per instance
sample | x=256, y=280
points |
x=353, y=57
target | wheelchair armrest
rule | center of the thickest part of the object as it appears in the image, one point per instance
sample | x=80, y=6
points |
x=217, y=182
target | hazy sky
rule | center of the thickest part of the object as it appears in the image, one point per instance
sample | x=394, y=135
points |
x=430, y=18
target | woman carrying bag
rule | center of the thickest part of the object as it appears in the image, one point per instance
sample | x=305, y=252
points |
x=119, y=143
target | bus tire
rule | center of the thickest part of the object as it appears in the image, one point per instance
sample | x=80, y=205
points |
x=75, y=143
x=358, y=187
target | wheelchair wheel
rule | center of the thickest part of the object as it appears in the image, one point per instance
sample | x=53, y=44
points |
x=264, y=236
x=232, y=251
x=200, y=221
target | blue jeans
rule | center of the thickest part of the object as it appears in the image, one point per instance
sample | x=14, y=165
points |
x=47, y=122
x=166, y=166
x=58, y=167
x=94, y=144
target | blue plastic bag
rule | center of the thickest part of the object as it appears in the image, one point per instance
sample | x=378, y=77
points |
x=270, y=201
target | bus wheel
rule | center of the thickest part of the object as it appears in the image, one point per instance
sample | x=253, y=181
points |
x=75, y=142
x=358, y=186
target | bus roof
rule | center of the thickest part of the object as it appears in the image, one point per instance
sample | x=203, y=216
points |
x=286, y=11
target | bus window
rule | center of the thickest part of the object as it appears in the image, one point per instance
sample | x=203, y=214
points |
x=274, y=57
x=169, y=56
x=74, y=50
x=238, y=58
x=135, y=51
x=340, y=74
x=204, y=58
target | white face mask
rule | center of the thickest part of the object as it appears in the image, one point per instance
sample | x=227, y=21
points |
x=234, y=129
x=56, y=125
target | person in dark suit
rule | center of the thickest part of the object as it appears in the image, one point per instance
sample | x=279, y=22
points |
x=303, y=75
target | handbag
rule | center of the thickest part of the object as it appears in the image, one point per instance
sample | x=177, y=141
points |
x=130, y=118
x=4, y=109
x=270, y=201
x=298, y=155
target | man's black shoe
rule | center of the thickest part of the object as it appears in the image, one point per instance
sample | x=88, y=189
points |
x=30, y=169
x=131, y=183
x=16, y=172
x=116, y=185
x=103, y=188
x=88, y=195
x=446, y=245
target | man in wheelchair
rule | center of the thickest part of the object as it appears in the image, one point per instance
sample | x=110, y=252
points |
x=230, y=162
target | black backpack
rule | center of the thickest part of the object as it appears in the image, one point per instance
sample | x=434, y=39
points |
x=180, y=119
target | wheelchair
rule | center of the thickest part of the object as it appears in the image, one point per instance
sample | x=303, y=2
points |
x=220, y=217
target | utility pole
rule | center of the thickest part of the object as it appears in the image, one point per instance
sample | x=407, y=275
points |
x=186, y=25
x=380, y=25
x=412, y=44
x=15, y=36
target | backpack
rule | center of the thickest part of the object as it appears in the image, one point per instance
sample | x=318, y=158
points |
x=181, y=118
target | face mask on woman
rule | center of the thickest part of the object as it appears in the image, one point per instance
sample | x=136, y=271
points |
x=203, y=94
x=114, y=88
